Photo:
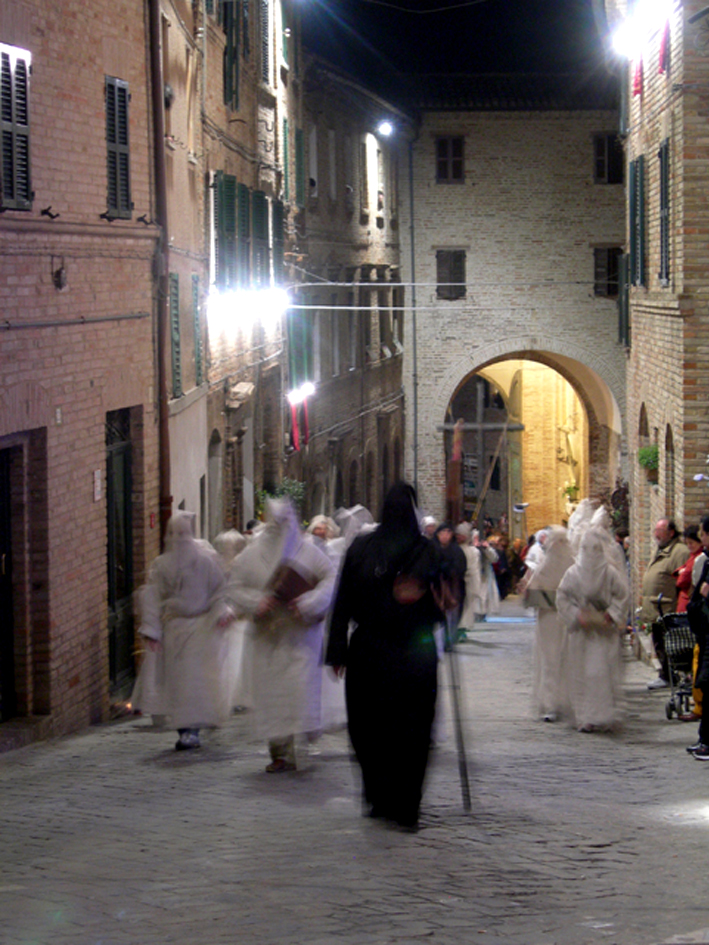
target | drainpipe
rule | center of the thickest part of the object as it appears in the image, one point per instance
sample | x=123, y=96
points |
x=161, y=264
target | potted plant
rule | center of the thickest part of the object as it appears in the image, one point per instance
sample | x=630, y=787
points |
x=649, y=459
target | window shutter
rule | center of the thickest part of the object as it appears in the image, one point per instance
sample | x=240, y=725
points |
x=664, y=156
x=231, y=54
x=174, y=286
x=286, y=162
x=623, y=307
x=244, y=235
x=265, y=42
x=285, y=37
x=225, y=190
x=16, y=189
x=118, y=154
x=277, y=221
x=260, y=225
x=636, y=191
x=198, y=347
x=640, y=180
x=245, y=36
x=299, y=168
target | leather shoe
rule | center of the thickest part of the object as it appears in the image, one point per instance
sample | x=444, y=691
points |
x=692, y=748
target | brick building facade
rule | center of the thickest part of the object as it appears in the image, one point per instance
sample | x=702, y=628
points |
x=347, y=285
x=512, y=219
x=665, y=140
x=78, y=435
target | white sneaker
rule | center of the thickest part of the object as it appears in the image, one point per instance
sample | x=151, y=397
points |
x=658, y=683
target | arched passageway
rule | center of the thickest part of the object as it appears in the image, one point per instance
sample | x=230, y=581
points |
x=541, y=432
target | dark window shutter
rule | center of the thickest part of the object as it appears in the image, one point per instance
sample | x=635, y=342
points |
x=16, y=182
x=299, y=333
x=664, y=156
x=198, y=346
x=265, y=41
x=260, y=225
x=286, y=161
x=277, y=224
x=118, y=153
x=245, y=35
x=623, y=308
x=244, y=235
x=225, y=199
x=640, y=181
x=299, y=168
x=636, y=196
x=174, y=284
x=285, y=38
x=231, y=54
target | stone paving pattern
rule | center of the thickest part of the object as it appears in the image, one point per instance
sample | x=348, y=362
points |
x=113, y=838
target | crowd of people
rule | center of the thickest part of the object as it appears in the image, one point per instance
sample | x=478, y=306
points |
x=273, y=620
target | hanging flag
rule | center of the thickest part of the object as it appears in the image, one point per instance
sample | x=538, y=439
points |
x=664, y=60
x=638, y=76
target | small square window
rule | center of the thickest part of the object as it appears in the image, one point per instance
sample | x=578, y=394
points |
x=450, y=274
x=606, y=269
x=449, y=160
x=608, y=159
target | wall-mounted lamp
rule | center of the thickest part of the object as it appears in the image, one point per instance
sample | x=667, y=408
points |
x=385, y=128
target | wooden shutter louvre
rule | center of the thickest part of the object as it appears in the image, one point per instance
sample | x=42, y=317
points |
x=277, y=226
x=623, y=307
x=198, y=346
x=664, y=156
x=244, y=235
x=174, y=287
x=286, y=162
x=225, y=212
x=231, y=55
x=15, y=183
x=265, y=42
x=117, y=143
x=299, y=168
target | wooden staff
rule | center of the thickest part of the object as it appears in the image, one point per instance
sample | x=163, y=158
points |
x=454, y=511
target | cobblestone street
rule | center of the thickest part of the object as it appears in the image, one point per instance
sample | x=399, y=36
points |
x=113, y=838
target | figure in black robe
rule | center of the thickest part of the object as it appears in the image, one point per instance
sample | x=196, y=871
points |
x=390, y=659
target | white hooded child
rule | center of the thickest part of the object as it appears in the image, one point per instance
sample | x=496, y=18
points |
x=284, y=585
x=187, y=626
x=592, y=600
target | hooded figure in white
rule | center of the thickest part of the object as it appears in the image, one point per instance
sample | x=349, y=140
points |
x=188, y=625
x=473, y=576
x=547, y=684
x=284, y=585
x=592, y=600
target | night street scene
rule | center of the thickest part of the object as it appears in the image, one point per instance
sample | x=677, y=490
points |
x=354, y=453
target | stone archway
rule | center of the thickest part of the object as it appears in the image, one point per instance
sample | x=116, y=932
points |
x=599, y=386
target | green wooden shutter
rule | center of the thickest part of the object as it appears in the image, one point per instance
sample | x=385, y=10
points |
x=174, y=286
x=245, y=33
x=16, y=185
x=232, y=18
x=260, y=248
x=286, y=162
x=299, y=334
x=244, y=235
x=277, y=226
x=198, y=348
x=118, y=148
x=299, y=168
x=225, y=212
